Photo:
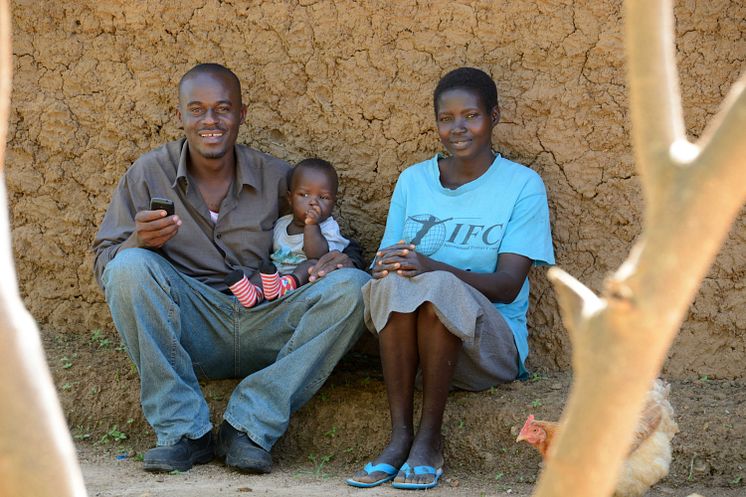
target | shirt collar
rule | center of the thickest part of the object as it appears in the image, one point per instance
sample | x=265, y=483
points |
x=245, y=174
x=181, y=169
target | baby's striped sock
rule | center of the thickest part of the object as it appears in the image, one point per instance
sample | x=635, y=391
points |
x=270, y=280
x=245, y=291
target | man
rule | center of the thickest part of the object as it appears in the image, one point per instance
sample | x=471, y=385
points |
x=163, y=276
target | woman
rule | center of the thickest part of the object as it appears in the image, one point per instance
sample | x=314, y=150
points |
x=449, y=293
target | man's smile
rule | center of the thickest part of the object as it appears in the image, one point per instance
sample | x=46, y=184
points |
x=211, y=136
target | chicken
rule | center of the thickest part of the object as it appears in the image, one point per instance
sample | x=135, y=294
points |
x=650, y=455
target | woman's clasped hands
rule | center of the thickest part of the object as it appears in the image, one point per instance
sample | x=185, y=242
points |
x=400, y=258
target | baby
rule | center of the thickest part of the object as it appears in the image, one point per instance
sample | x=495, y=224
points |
x=308, y=233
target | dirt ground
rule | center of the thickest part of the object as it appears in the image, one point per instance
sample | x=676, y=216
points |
x=346, y=424
x=107, y=477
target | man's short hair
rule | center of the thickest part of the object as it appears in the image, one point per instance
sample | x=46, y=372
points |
x=468, y=78
x=318, y=165
x=211, y=68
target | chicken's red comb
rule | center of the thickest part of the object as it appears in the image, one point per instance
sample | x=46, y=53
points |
x=528, y=422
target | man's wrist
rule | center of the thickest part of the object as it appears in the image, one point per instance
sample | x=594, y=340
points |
x=132, y=241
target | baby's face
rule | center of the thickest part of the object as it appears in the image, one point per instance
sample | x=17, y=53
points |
x=312, y=190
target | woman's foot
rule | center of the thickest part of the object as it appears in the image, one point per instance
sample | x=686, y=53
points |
x=394, y=454
x=425, y=451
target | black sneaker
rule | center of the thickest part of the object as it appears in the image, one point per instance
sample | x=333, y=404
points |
x=180, y=456
x=240, y=452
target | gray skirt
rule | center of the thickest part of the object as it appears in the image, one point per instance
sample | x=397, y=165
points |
x=488, y=355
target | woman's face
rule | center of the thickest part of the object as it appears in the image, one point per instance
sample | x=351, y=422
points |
x=464, y=125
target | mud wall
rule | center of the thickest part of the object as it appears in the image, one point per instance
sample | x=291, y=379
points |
x=95, y=87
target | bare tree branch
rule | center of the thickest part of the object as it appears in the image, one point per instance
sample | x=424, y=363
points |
x=37, y=456
x=577, y=302
x=655, y=101
x=693, y=192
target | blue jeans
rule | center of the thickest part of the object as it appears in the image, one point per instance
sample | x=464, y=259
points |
x=177, y=329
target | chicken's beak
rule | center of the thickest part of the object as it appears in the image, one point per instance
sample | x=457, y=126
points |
x=521, y=438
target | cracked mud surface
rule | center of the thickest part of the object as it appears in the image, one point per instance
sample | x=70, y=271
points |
x=95, y=87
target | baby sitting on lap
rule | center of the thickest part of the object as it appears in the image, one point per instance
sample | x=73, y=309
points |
x=308, y=233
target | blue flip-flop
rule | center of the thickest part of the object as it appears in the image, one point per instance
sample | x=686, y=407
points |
x=369, y=468
x=419, y=470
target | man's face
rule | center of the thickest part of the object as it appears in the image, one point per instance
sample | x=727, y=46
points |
x=210, y=110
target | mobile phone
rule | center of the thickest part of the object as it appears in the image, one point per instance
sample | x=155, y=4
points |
x=157, y=203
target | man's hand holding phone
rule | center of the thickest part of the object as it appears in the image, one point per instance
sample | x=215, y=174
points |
x=154, y=227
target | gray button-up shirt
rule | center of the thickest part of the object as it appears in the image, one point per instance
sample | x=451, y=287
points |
x=240, y=239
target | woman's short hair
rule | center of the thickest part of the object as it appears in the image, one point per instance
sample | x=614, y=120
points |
x=468, y=78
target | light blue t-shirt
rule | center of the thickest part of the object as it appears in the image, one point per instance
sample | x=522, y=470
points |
x=503, y=211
